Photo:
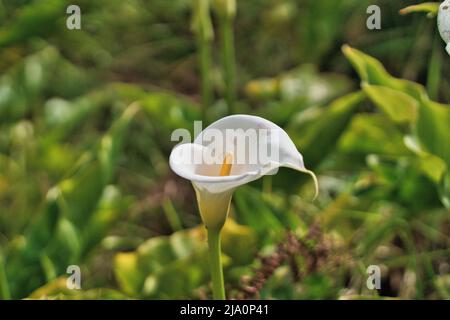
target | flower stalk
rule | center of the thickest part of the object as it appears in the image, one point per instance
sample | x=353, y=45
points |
x=204, y=34
x=226, y=12
x=5, y=293
x=214, y=239
x=216, y=264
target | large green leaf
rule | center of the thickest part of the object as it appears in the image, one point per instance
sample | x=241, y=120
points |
x=433, y=133
x=400, y=107
x=433, y=128
x=372, y=133
x=407, y=102
x=371, y=71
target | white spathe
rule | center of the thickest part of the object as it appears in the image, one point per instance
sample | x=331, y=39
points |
x=214, y=191
x=443, y=21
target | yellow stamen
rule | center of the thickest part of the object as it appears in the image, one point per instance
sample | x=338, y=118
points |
x=226, y=166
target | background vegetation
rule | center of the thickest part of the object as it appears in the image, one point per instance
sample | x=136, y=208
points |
x=85, y=123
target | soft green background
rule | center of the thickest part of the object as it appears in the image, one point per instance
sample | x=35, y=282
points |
x=85, y=123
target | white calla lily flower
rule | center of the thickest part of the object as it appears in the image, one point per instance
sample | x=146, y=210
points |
x=241, y=145
x=229, y=153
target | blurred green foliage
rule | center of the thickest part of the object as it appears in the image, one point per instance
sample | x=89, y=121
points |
x=85, y=123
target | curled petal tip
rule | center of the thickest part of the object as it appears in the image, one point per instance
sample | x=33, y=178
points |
x=316, y=183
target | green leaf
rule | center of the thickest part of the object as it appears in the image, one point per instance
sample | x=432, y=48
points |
x=23, y=263
x=169, y=112
x=398, y=106
x=239, y=242
x=372, y=133
x=36, y=19
x=62, y=116
x=371, y=71
x=40, y=74
x=81, y=191
x=316, y=131
x=433, y=134
x=127, y=273
x=432, y=129
x=179, y=278
x=57, y=290
x=174, y=266
x=22, y=84
x=253, y=211
x=110, y=208
x=432, y=166
x=431, y=8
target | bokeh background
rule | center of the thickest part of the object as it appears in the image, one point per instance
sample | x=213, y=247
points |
x=85, y=123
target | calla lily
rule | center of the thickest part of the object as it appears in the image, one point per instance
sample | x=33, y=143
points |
x=229, y=153
x=212, y=187
x=444, y=23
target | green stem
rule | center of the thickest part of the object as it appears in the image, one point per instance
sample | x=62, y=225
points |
x=5, y=294
x=204, y=56
x=216, y=264
x=171, y=215
x=228, y=60
x=434, y=69
x=2, y=10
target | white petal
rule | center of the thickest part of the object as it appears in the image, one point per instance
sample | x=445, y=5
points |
x=202, y=180
x=205, y=176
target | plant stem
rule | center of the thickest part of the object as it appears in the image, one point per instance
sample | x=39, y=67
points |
x=216, y=264
x=228, y=60
x=172, y=215
x=5, y=294
x=202, y=27
x=204, y=56
x=434, y=69
x=2, y=10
